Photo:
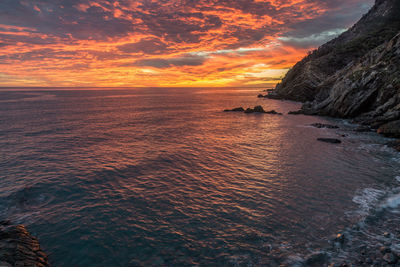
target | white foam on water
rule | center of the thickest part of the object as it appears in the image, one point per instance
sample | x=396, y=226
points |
x=346, y=122
x=392, y=202
x=375, y=147
x=396, y=159
x=368, y=198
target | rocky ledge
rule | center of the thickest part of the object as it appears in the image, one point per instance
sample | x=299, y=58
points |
x=19, y=248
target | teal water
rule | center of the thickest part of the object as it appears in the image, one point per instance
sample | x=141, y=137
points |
x=161, y=176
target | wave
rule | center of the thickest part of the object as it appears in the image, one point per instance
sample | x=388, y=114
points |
x=368, y=199
x=18, y=206
x=392, y=202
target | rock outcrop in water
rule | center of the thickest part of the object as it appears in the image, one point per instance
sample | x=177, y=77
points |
x=329, y=140
x=356, y=75
x=235, y=110
x=256, y=109
x=19, y=248
x=323, y=125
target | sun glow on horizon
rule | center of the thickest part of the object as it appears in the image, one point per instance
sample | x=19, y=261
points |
x=147, y=43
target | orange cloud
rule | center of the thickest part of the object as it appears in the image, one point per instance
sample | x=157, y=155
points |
x=158, y=43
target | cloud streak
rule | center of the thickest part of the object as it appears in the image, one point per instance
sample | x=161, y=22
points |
x=163, y=42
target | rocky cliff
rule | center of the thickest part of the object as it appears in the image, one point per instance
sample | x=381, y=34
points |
x=355, y=75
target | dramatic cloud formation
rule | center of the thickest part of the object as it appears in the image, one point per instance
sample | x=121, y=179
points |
x=163, y=42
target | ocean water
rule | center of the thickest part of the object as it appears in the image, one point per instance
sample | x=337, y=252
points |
x=163, y=177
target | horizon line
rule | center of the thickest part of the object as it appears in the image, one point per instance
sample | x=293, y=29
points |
x=130, y=87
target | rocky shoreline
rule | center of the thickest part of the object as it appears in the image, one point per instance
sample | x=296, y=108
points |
x=19, y=248
x=374, y=241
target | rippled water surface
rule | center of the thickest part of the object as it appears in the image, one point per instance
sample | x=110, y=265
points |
x=164, y=177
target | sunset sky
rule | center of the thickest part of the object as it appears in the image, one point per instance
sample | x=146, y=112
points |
x=163, y=42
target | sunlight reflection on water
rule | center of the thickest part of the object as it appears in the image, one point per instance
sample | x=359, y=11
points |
x=164, y=176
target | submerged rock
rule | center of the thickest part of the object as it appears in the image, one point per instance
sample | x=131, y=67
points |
x=317, y=259
x=322, y=125
x=234, y=110
x=330, y=140
x=256, y=109
x=274, y=96
x=273, y=112
x=260, y=109
x=385, y=250
x=249, y=110
x=297, y=112
x=391, y=129
x=19, y=248
x=390, y=258
x=362, y=129
x=394, y=144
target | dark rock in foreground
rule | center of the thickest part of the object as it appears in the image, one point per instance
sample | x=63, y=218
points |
x=19, y=248
x=322, y=125
x=330, y=140
x=234, y=110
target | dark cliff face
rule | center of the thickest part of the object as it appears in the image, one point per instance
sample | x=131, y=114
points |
x=368, y=88
x=311, y=78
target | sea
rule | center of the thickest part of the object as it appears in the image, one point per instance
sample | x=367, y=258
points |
x=164, y=177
